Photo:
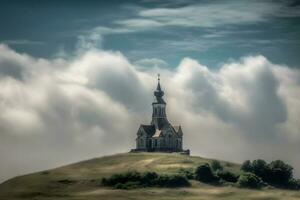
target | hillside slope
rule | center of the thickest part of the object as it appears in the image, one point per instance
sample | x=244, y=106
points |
x=81, y=181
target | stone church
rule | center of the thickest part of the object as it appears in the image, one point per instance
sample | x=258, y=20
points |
x=160, y=135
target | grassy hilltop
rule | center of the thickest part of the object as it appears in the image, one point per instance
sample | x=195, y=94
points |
x=82, y=181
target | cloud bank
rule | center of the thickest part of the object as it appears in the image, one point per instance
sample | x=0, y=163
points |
x=57, y=111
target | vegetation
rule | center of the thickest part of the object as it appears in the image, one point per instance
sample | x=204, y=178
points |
x=227, y=176
x=134, y=179
x=280, y=173
x=276, y=173
x=216, y=165
x=204, y=173
x=250, y=180
x=246, y=166
x=187, y=172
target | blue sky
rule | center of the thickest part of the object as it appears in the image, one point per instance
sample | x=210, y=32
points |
x=212, y=32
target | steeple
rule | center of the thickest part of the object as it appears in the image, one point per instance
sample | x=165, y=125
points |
x=159, y=117
x=158, y=93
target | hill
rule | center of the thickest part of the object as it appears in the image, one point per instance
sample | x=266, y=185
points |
x=82, y=181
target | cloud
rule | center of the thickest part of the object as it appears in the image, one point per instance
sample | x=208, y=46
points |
x=215, y=14
x=57, y=111
x=205, y=15
x=151, y=63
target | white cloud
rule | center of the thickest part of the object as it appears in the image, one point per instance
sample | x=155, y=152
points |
x=58, y=111
x=211, y=15
x=139, y=23
x=147, y=63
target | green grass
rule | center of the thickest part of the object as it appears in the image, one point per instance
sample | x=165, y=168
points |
x=82, y=181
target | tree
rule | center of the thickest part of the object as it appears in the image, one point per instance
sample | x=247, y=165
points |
x=260, y=168
x=216, y=165
x=280, y=173
x=227, y=176
x=246, y=166
x=204, y=173
x=250, y=180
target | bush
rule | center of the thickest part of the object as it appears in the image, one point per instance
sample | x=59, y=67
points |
x=203, y=173
x=227, y=176
x=130, y=176
x=186, y=172
x=261, y=168
x=246, y=166
x=133, y=179
x=149, y=178
x=216, y=165
x=127, y=186
x=294, y=184
x=277, y=173
x=250, y=180
x=172, y=181
x=280, y=173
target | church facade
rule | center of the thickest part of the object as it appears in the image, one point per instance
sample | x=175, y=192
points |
x=160, y=134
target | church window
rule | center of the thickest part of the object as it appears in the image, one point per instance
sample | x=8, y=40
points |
x=155, y=142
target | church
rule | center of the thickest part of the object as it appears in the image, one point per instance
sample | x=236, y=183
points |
x=160, y=135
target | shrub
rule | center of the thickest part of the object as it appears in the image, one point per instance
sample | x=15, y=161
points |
x=149, y=179
x=133, y=179
x=280, y=173
x=127, y=186
x=277, y=173
x=246, y=166
x=203, y=173
x=216, y=165
x=130, y=176
x=172, y=181
x=227, y=176
x=187, y=172
x=294, y=184
x=260, y=168
x=250, y=180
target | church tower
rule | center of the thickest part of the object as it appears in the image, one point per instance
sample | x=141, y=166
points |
x=159, y=117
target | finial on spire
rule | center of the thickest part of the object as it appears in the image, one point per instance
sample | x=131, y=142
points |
x=158, y=77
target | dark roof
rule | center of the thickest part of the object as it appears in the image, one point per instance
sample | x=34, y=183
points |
x=177, y=130
x=158, y=93
x=149, y=129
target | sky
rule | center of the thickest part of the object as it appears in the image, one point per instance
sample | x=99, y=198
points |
x=77, y=78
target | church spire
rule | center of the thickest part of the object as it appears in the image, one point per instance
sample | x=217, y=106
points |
x=158, y=82
x=158, y=93
x=159, y=117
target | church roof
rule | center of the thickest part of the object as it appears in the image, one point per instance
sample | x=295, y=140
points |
x=177, y=129
x=149, y=129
